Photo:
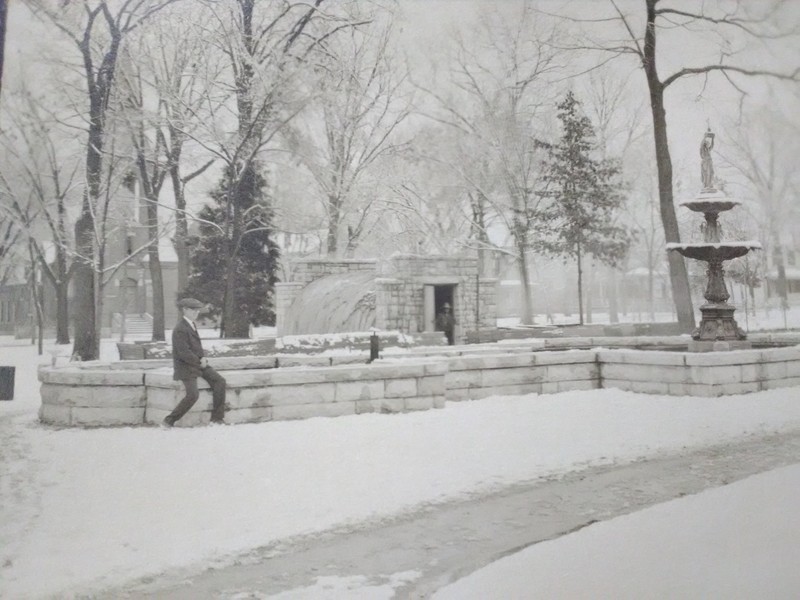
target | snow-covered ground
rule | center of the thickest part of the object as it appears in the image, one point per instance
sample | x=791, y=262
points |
x=86, y=509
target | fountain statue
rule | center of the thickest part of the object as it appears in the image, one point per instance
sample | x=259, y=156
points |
x=718, y=329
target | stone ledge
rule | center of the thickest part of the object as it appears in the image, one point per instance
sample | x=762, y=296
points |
x=135, y=393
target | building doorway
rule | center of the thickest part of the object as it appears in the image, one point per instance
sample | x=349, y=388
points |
x=435, y=298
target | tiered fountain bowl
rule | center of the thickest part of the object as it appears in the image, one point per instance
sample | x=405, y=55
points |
x=718, y=329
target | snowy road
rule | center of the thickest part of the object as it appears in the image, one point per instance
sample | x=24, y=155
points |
x=435, y=546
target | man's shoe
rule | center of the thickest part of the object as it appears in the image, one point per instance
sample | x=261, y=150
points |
x=167, y=423
x=217, y=422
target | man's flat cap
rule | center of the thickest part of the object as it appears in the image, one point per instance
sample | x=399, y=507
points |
x=190, y=303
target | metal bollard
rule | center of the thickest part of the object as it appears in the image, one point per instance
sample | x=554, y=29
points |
x=7, y=383
x=374, y=346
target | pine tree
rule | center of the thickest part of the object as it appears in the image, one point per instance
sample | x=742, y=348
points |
x=234, y=258
x=585, y=197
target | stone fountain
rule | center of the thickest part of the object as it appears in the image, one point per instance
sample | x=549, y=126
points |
x=718, y=329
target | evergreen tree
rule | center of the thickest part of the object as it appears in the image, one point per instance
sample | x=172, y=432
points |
x=234, y=258
x=585, y=197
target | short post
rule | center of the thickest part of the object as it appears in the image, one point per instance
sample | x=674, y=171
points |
x=374, y=346
x=7, y=383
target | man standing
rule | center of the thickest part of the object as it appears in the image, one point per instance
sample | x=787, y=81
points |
x=446, y=322
x=189, y=363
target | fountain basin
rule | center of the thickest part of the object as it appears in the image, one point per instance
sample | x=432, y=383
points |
x=710, y=203
x=714, y=251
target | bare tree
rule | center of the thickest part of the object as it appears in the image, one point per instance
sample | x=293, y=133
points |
x=762, y=150
x=351, y=125
x=501, y=94
x=166, y=76
x=38, y=177
x=98, y=31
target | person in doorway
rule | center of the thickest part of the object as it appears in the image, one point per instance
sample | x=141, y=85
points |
x=446, y=322
x=189, y=363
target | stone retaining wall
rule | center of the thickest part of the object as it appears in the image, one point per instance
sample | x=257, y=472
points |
x=700, y=374
x=473, y=377
x=98, y=395
x=142, y=392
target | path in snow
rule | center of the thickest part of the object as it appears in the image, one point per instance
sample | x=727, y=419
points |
x=439, y=544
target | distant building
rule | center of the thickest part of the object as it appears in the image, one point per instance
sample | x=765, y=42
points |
x=403, y=293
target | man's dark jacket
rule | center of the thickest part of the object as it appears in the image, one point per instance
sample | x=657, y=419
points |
x=186, y=351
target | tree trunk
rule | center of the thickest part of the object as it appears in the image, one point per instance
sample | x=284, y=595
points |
x=580, y=284
x=333, y=226
x=84, y=280
x=613, y=307
x=235, y=322
x=526, y=314
x=62, y=312
x=156, y=276
x=679, y=279
x=181, y=228
x=60, y=283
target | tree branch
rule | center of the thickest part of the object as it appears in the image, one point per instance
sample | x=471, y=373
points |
x=794, y=76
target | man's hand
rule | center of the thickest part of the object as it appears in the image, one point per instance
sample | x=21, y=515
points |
x=203, y=362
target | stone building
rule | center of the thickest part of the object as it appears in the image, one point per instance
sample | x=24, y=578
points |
x=402, y=293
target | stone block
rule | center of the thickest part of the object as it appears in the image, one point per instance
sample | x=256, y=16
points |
x=117, y=397
x=525, y=375
x=436, y=368
x=380, y=405
x=678, y=389
x=419, y=403
x=733, y=388
x=194, y=418
x=782, y=354
x=572, y=372
x=249, y=398
x=642, y=387
x=641, y=357
x=775, y=370
x=457, y=394
x=154, y=416
x=618, y=384
x=465, y=363
x=400, y=388
x=577, y=385
x=53, y=414
x=98, y=417
x=347, y=391
x=431, y=386
x=306, y=411
x=258, y=414
x=439, y=401
x=288, y=395
x=463, y=379
x=662, y=373
x=88, y=377
x=504, y=390
x=245, y=379
x=752, y=372
x=793, y=368
x=161, y=378
x=380, y=370
x=782, y=383
x=566, y=358
x=163, y=398
x=64, y=395
x=734, y=357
